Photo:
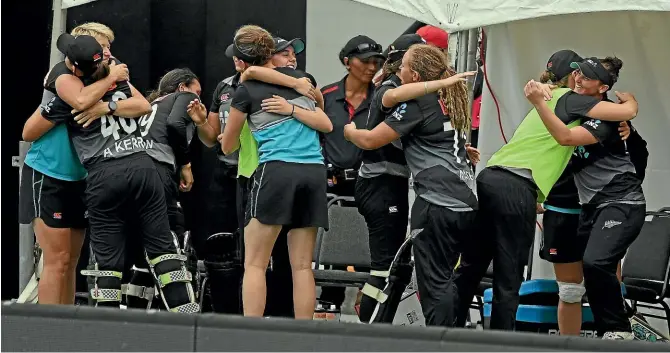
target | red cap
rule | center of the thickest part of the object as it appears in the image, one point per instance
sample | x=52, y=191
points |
x=435, y=36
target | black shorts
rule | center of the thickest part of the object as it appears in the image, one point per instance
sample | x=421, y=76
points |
x=59, y=203
x=288, y=194
x=560, y=243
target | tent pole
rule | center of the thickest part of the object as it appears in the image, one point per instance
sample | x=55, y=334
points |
x=462, y=54
x=26, y=235
x=57, y=28
x=471, y=65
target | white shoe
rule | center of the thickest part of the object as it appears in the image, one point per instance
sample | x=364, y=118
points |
x=627, y=336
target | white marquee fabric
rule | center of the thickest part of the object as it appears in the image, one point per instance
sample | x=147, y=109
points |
x=458, y=15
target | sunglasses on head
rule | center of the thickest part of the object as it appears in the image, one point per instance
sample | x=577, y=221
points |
x=367, y=47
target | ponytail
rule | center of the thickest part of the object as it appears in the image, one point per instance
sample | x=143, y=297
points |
x=548, y=76
x=390, y=68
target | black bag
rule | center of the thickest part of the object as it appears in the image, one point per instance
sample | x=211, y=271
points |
x=637, y=150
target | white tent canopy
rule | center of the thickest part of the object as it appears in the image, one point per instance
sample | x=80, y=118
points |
x=458, y=15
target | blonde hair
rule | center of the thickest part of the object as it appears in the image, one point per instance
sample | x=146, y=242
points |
x=431, y=63
x=93, y=29
x=255, y=41
x=548, y=76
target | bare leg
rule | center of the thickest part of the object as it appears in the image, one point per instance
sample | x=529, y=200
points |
x=55, y=245
x=569, y=314
x=301, y=248
x=76, y=242
x=259, y=239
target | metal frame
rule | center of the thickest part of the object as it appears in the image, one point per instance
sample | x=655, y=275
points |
x=660, y=298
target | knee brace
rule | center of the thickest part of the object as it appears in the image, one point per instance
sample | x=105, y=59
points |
x=106, y=286
x=394, y=282
x=173, y=282
x=140, y=291
x=571, y=292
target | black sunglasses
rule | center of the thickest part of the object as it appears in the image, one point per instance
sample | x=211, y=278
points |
x=367, y=47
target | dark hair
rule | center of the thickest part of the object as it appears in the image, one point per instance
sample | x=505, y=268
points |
x=256, y=42
x=613, y=66
x=548, y=76
x=390, y=68
x=171, y=81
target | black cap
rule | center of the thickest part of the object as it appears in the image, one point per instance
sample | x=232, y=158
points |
x=593, y=69
x=84, y=51
x=362, y=47
x=230, y=51
x=281, y=44
x=560, y=63
x=398, y=48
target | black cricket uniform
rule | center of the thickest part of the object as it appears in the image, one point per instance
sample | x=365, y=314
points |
x=613, y=212
x=343, y=158
x=505, y=230
x=222, y=203
x=561, y=220
x=122, y=184
x=171, y=129
x=288, y=186
x=58, y=203
x=444, y=211
x=382, y=191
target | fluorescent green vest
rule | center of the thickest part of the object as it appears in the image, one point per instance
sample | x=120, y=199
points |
x=532, y=147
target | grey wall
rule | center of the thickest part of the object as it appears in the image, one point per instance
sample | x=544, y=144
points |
x=331, y=23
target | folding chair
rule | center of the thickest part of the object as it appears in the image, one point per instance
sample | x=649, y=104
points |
x=646, y=267
x=344, y=243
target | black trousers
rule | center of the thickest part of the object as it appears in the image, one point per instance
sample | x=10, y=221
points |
x=279, y=279
x=505, y=230
x=610, y=231
x=383, y=202
x=122, y=192
x=438, y=237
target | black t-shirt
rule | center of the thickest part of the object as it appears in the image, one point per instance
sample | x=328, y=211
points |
x=55, y=72
x=570, y=107
x=170, y=127
x=279, y=137
x=249, y=95
x=106, y=138
x=435, y=153
x=564, y=193
x=388, y=159
x=604, y=171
